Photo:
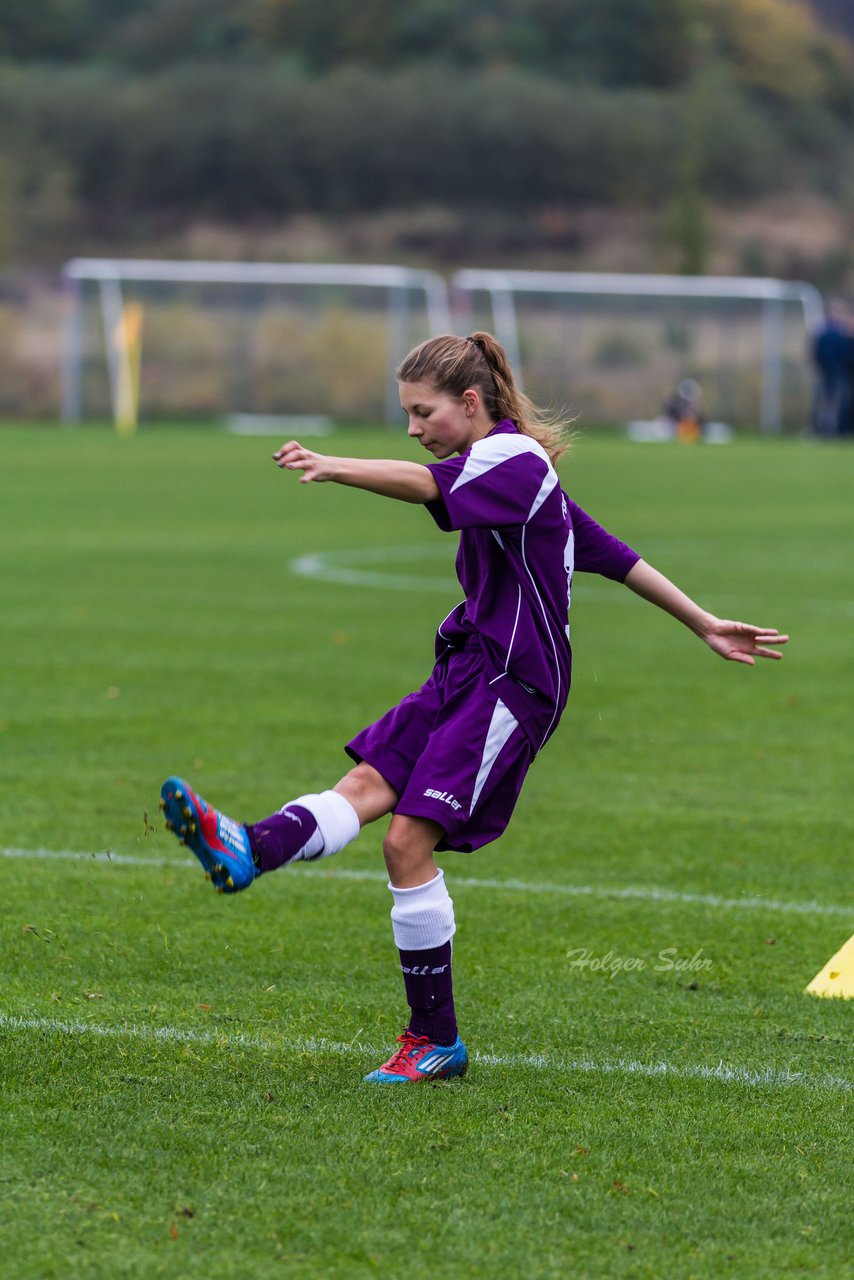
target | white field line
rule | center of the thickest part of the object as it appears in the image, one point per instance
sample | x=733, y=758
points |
x=768, y=1077
x=352, y=568
x=363, y=567
x=636, y=893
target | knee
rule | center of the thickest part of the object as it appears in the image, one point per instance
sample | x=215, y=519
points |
x=409, y=856
x=368, y=792
x=364, y=780
x=396, y=852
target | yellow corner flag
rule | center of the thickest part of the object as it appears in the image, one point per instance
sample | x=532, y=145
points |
x=837, y=976
x=128, y=343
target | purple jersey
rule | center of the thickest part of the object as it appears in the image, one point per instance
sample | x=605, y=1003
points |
x=521, y=538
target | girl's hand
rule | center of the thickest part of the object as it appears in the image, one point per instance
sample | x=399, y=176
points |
x=314, y=466
x=741, y=641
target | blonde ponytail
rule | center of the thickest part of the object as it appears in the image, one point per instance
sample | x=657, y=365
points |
x=479, y=361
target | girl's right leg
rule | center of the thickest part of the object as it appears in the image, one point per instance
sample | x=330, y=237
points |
x=310, y=827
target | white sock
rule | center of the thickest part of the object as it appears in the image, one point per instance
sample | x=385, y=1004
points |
x=337, y=824
x=424, y=916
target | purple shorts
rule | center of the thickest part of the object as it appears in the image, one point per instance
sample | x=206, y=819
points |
x=453, y=753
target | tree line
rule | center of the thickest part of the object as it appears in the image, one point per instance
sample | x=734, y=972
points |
x=111, y=115
x=777, y=44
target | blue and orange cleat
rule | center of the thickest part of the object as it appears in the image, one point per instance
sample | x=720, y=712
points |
x=418, y=1058
x=220, y=844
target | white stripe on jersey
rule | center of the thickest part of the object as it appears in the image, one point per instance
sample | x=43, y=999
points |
x=549, y=632
x=445, y=619
x=549, y=483
x=515, y=626
x=501, y=726
x=492, y=450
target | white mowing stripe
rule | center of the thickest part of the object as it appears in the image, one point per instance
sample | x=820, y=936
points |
x=631, y=893
x=768, y=1077
x=637, y=893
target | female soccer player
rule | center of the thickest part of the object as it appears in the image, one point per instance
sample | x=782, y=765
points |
x=449, y=761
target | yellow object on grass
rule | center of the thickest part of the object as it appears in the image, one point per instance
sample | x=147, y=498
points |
x=837, y=976
x=128, y=343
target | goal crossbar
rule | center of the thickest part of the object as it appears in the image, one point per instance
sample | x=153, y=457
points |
x=502, y=286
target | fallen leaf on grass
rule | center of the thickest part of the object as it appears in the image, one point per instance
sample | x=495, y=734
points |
x=94, y=995
x=46, y=935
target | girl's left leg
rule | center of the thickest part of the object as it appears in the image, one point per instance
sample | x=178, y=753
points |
x=423, y=922
x=315, y=826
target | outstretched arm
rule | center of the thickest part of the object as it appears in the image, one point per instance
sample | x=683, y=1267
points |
x=407, y=481
x=735, y=641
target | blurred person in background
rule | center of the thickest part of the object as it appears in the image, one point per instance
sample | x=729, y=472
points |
x=683, y=410
x=833, y=355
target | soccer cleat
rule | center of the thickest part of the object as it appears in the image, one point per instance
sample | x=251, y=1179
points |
x=220, y=844
x=418, y=1058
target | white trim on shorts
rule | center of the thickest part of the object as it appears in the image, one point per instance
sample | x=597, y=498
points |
x=501, y=726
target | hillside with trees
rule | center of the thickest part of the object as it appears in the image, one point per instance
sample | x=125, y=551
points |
x=122, y=124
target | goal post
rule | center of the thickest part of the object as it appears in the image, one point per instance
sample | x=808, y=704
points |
x=403, y=301
x=196, y=339
x=770, y=323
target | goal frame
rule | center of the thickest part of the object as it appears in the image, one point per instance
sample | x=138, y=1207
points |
x=110, y=274
x=502, y=286
x=447, y=310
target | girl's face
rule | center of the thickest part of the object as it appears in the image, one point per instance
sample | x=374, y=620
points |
x=442, y=423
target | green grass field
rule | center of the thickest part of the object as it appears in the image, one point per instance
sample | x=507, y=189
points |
x=181, y=1072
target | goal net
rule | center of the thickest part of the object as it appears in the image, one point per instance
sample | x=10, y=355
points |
x=242, y=340
x=613, y=348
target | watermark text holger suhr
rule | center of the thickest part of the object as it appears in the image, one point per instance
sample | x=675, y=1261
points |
x=668, y=960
